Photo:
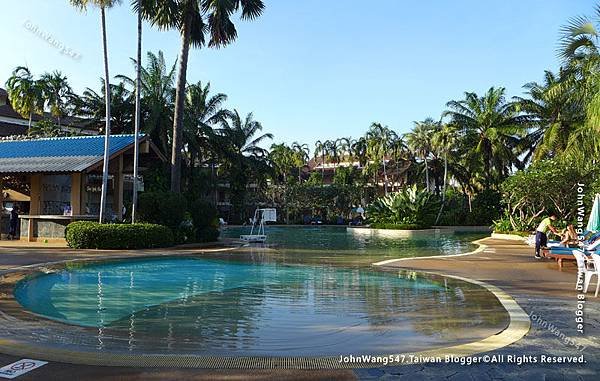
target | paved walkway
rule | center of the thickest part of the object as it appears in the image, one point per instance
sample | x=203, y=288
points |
x=545, y=293
x=537, y=286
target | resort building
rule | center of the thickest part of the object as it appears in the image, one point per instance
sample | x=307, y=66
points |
x=63, y=176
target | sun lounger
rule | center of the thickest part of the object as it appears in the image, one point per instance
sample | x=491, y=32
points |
x=566, y=253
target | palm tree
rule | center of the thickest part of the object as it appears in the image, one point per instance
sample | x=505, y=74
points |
x=301, y=155
x=194, y=19
x=553, y=114
x=202, y=112
x=122, y=108
x=379, y=138
x=495, y=126
x=399, y=152
x=157, y=80
x=321, y=149
x=238, y=145
x=138, y=112
x=419, y=141
x=24, y=93
x=56, y=92
x=103, y=5
x=443, y=140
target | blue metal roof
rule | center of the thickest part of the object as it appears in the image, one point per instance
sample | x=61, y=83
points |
x=71, y=146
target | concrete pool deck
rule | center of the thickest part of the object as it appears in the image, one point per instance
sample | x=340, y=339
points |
x=537, y=286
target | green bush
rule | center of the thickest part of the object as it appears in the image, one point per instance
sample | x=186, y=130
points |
x=410, y=206
x=162, y=208
x=93, y=235
x=398, y=226
x=205, y=220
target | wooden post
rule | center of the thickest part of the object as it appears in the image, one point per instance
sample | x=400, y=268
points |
x=76, y=194
x=36, y=191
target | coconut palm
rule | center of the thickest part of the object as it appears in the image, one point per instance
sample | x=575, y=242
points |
x=379, y=139
x=56, y=92
x=495, y=126
x=443, y=140
x=24, y=93
x=199, y=22
x=301, y=155
x=321, y=150
x=419, y=141
x=400, y=153
x=238, y=141
x=554, y=115
x=157, y=97
x=102, y=5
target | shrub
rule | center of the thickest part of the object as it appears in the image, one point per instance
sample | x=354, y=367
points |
x=397, y=226
x=205, y=220
x=93, y=235
x=162, y=208
x=409, y=206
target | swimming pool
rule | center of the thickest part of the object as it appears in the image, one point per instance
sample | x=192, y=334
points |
x=220, y=307
x=350, y=247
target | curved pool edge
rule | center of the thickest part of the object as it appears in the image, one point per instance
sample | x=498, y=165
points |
x=518, y=326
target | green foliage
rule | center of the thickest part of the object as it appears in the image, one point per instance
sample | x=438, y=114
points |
x=409, y=206
x=205, y=219
x=163, y=208
x=397, y=226
x=544, y=187
x=93, y=235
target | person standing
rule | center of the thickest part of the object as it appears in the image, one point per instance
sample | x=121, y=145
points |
x=541, y=234
x=13, y=222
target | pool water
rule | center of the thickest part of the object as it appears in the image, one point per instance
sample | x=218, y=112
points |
x=230, y=307
x=348, y=247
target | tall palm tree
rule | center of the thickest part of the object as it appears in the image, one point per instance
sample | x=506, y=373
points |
x=198, y=21
x=554, y=115
x=238, y=142
x=419, y=141
x=138, y=112
x=157, y=80
x=301, y=155
x=321, y=149
x=443, y=140
x=56, y=92
x=399, y=153
x=380, y=138
x=103, y=5
x=496, y=126
x=24, y=93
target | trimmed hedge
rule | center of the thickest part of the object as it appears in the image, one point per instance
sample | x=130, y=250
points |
x=93, y=235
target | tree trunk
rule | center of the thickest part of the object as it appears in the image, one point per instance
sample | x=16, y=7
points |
x=426, y=174
x=437, y=219
x=136, y=146
x=179, y=104
x=385, y=178
x=107, y=122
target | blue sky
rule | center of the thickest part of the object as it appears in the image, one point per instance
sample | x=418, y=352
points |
x=316, y=69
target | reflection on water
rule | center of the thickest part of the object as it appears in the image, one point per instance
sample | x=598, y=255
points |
x=209, y=306
x=338, y=245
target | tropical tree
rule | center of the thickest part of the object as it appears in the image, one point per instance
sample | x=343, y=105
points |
x=237, y=141
x=91, y=105
x=401, y=154
x=103, y=5
x=495, y=127
x=444, y=140
x=56, y=92
x=321, y=150
x=419, y=141
x=379, y=140
x=24, y=93
x=301, y=155
x=199, y=22
x=283, y=160
x=157, y=96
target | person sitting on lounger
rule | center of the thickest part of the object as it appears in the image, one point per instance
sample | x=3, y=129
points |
x=541, y=234
x=569, y=236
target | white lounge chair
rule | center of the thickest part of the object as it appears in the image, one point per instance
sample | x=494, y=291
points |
x=596, y=271
x=584, y=268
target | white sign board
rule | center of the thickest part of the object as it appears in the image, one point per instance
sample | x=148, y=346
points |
x=20, y=367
